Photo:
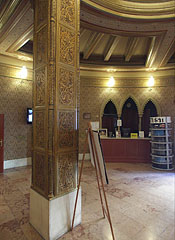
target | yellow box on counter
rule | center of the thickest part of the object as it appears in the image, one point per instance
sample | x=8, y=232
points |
x=134, y=135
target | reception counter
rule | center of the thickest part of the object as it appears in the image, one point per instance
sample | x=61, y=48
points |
x=126, y=150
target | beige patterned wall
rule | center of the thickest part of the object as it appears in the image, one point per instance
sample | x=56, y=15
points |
x=94, y=96
x=15, y=98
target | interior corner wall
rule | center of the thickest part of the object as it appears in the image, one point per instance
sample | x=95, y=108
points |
x=93, y=94
x=15, y=98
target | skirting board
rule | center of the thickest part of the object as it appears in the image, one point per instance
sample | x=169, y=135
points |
x=28, y=161
x=17, y=163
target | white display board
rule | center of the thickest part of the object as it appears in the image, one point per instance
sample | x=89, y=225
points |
x=99, y=153
x=160, y=119
x=95, y=126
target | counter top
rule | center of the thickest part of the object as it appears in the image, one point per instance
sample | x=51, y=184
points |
x=121, y=138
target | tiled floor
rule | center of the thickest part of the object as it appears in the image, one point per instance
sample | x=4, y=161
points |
x=141, y=202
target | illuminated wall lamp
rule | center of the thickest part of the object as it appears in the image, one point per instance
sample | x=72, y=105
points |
x=151, y=81
x=111, y=82
x=23, y=72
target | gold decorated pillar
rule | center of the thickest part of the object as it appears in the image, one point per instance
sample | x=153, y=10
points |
x=140, y=122
x=55, y=104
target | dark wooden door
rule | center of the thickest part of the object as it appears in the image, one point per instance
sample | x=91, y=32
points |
x=109, y=123
x=130, y=119
x=1, y=142
x=146, y=122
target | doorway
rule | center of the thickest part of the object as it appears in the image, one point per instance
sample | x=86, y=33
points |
x=130, y=118
x=109, y=119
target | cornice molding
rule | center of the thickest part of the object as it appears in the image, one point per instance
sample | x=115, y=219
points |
x=133, y=9
x=127, y=82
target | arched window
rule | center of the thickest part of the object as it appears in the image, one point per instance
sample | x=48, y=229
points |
x=130, y=118
x=109, y=119
x=149, y=111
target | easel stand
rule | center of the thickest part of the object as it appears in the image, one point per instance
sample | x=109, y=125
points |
x=103, y=199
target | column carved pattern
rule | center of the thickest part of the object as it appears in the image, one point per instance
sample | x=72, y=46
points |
x=68, y=26
x=66, y=129
x=39, y=166
x=42, y=12
x=66, y=167
x=39, y=129
x=66, y=87
x=55, y=88
x=50, y=129
x=67, y=11
x=50, y=178
x=41, y=55
x=40, y=80
x=52, y=66
x=67, y=46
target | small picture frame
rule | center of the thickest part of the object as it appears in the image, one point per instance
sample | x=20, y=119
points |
x=86, y=115
x=103, y=132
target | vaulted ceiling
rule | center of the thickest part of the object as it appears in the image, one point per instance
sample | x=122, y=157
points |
x=135, y=34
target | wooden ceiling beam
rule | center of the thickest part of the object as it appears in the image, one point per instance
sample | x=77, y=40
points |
x=7, y=11
x=169, y=54
x=132, y=44
x=92, y=44
x=26, y=36
x=3, y=7
x=14, y=18
x=150, y=50
x=82, y=32
x=112, y=44
x=153, y=51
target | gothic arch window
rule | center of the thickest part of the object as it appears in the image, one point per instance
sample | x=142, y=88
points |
x=109, y=118
x=149, y=111
x=130, y=118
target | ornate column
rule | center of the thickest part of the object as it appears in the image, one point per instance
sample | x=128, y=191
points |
x=140, y=122
x=55, y=126
x=119, y=127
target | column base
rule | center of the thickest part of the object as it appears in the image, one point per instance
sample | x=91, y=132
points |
x=53, y=218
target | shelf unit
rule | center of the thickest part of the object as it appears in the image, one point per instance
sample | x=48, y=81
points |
x=161, y=144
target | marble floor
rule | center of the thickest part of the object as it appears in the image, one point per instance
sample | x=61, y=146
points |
x=141, y=204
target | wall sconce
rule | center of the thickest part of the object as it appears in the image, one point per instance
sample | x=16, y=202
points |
x=23, y=72
x=151, y=81
x=111, y=82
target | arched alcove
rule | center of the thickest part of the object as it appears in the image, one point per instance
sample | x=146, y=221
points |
x=124, y=99
x=150, y=110
x=130, y=118
x=109, y=117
